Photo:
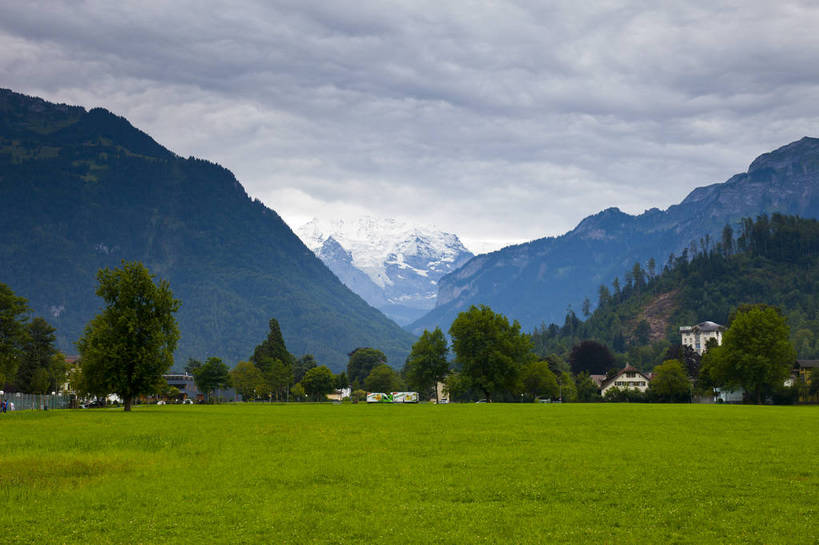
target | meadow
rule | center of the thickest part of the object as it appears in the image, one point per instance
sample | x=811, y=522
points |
x=471, y=473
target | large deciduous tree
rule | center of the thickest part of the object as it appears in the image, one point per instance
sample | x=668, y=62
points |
x=213, y=375
x=756, y=352
x=670, y=382
x=488, y=350
x=427, y=364
x=538, y=380
x=382, y=379
x=318, y=382
x=247, y=379
x=362, y=362
x=128, y=346
x=591, y=356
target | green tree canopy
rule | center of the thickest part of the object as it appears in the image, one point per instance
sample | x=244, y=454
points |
x=318, y=382
x=756, y=352
x=302, y=365
x=248, y=380
x=427, y=363
x=213, y=375
x=670, y=382
x=39, y=352
x=362, y=361
x=271, y=349
x=341, y=380
x=489, y=351
x=297, y=392
x=128, y=346
x=538, y=380
x=567, y=387
x=382, y=379
x=279, y=377
x=587, y=389
x=591, y=356
x=12, y=332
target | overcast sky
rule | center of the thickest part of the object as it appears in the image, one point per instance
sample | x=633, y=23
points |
x=498, y=121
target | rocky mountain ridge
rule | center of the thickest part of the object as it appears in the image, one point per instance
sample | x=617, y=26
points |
x=538, y=281
x=392, y=265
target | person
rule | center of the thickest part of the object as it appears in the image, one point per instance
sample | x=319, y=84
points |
x=11, y=406
x=3, y=406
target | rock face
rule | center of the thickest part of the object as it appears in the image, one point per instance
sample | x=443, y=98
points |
x=393, y=266
x=81, y=190
x=537, y=281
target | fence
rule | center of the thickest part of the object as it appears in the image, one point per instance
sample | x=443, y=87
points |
x=27, y=402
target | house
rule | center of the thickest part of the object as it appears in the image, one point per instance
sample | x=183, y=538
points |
x=627, y=378
x=697, y=336
x=803, y=369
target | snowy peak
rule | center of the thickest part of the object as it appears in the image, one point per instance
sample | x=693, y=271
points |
x=404, y=261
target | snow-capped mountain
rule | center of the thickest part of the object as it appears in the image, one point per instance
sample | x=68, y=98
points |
x=392, y=265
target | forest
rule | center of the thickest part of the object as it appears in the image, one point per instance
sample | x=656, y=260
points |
x=771, y=260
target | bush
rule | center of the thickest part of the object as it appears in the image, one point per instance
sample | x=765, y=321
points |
x=625, y=395
x=785, y=395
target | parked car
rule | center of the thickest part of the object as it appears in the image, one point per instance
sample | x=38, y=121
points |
x=160, y=402
x=187, y=402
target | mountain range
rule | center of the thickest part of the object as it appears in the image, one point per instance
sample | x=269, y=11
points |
x=538, y=281
x=83, y=189
x=394, y=266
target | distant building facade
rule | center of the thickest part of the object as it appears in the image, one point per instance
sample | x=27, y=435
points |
x=628, y=378
x=697, y=336
x=185, y=384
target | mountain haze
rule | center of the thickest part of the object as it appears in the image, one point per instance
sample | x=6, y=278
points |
x=81, y=190
x=537, y=281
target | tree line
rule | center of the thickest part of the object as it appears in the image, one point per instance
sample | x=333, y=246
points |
x=29, y=359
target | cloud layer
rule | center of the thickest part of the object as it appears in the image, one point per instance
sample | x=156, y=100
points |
x=497, y=121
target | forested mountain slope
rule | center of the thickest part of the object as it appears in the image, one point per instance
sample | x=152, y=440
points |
x=537, y=281
x=80, y=190
x=772, y=260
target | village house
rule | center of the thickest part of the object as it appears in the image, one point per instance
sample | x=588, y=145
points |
x=628, y=378
x=697, y=336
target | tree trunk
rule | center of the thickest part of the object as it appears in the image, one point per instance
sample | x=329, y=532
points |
x=488, y=396
x=127, y=403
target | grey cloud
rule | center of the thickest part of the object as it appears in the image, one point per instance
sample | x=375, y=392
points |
x=492, y=120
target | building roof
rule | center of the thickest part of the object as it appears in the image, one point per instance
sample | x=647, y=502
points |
x=599, y=379
x=802, y=364
x=703, y=326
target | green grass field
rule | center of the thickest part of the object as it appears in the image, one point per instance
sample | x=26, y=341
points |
x=299, y=473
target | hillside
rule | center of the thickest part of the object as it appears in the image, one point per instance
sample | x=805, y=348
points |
x=537, y=281
x=81, y=190
x=394, y=266
x=772, y=260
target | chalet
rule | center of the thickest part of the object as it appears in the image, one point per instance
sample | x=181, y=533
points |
x=696, y=336
x=627, y=378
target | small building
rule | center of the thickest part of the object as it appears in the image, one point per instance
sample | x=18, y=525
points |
x=340, y=394
x=628, y=378
x=803, y=370
x=185, y=384
x=697, y=336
